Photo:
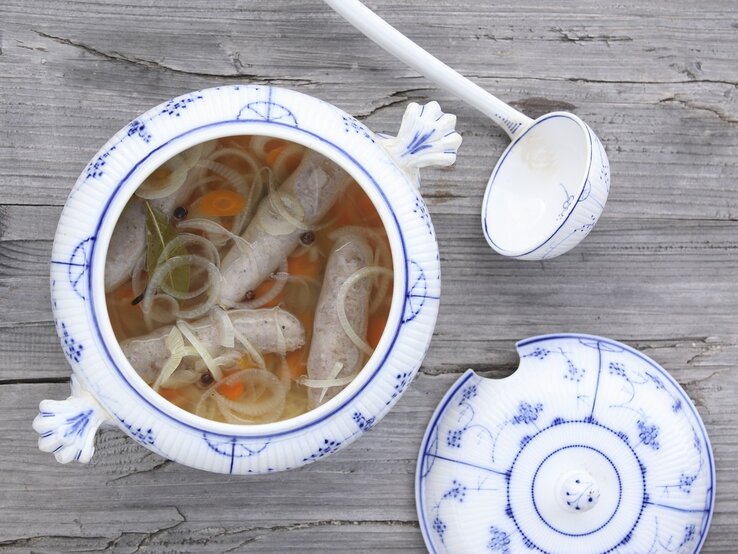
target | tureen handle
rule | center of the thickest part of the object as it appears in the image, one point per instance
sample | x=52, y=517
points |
x=67, y=427
x=427, y=137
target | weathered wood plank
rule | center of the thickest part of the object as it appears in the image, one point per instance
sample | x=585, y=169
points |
x=659, y=85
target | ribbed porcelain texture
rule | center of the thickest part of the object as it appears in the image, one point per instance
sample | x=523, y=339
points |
x=590, y=447
x=78, y=300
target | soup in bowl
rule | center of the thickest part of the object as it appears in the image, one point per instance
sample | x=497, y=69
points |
x=248, y=279
x=245, y=279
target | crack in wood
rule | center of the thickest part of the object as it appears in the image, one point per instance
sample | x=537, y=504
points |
x=575, y=37
x=151, y=536
x=36, y=381
x=119, y=57
x=697, y=106
x=587, y=80
x=20, y=44
x=397, y=97
x=167, y=533
x=267, y=530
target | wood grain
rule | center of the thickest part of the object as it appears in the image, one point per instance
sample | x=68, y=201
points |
x=659, y=84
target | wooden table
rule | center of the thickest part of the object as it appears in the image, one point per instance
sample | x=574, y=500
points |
x=657, y=81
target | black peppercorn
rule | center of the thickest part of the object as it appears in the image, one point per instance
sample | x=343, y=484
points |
x=307, y=238
x=180, y=212
x=206, y=378
x=250, y=295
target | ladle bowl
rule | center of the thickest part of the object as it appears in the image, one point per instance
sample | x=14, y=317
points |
x=548, y=189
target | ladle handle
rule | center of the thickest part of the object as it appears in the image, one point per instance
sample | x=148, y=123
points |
x=393, y=41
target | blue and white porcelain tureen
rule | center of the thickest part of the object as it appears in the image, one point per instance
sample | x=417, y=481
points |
x=589, y=447
x=107, y=390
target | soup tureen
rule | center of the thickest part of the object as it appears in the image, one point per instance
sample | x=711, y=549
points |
x=107, y=390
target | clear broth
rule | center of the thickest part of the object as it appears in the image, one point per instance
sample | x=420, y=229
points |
x=247, y=157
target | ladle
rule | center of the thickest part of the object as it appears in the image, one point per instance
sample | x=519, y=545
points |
x=551, y=183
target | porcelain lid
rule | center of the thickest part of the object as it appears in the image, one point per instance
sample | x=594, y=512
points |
x=589, y=447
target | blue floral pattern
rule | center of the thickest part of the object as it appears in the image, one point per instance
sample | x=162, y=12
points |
x=96, y=167
x=568, y=201
x=439, y=527
x=351, y=124
x=457, y=491
x=329, y=446
x=538, y=353
x=419, y=142
x=421, y=209
x=67, y=428
x=77, y=266
x=139, y=129
x=77, y=424
x=499, y=541
x=176, y=106
x=72, y=348
x=648, y=434
x=527, y=413
x=468, y=393
x=453, y=438
x=143, y=436
x=365, y=424
x=402, y=380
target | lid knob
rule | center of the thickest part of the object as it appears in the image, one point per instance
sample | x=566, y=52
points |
x=578, y=491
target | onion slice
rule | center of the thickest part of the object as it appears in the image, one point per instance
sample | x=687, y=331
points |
x=255, y=355
x=174, y=181
x=189, y=334
x=343, y=291
x=174, y=343
x=325, y=383
x=226, y=331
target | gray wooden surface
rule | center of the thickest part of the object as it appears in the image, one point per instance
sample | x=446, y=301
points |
x=656, y=80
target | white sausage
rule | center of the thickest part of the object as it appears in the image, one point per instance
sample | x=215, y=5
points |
x=268, y=330
x=315, y=185
x=127, y=244
x=330, y=343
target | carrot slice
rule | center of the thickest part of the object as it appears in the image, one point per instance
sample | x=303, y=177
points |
x=221, y=203
x=174, y=396
x=374, y=330
x=232, y=391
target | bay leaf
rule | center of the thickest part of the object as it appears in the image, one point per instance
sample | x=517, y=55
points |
x=159, y=233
